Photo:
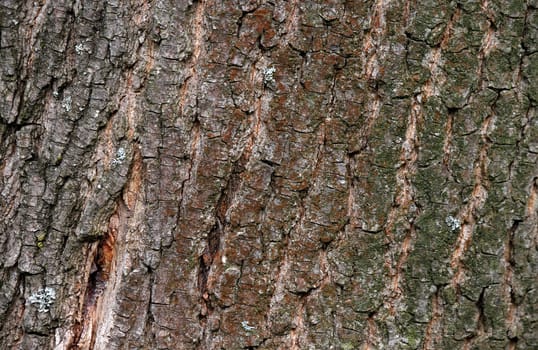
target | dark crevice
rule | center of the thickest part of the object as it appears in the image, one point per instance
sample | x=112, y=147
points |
x=298, y=50
x=269, y=162
x=262, y=47
x=100, y=271
x=482, y=319
x=510, y=269
x=305, y=294
x=101, y=268
x=206, y=260
x=452, y=110
x=240, y=20
x=353, y=153
x=512, y=344
x=150, y=319
x=214, y=236
x=481, y=322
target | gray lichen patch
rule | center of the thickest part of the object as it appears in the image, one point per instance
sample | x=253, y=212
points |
x=268, y=75
x=247, y=327
x=120, y=156
x=66, y=103
x=453, y=223
x=43, y=299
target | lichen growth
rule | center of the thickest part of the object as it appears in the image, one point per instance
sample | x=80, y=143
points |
x=268, y=75
x=80, y=48
x=453, y=223
x=43, y=299
x=120, y=156
x=247, y=327
x=66, y=103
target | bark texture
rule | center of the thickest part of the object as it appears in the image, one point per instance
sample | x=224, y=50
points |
x=268, y=174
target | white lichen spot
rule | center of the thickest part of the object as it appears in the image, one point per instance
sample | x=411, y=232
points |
x=79, y=48
x=120, y=156
x=66, y=103
x=43, y=299
x=246, y=326
x=55, y=94
x=453, y=223
x=268, y=75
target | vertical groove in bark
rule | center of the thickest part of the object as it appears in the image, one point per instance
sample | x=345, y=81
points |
x=511, y=318
x=372, y=334
x=432, y=334
x=469, y=212
x=403, y=204
x=447, y=143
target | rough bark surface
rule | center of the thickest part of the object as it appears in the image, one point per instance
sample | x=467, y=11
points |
x=268, y=174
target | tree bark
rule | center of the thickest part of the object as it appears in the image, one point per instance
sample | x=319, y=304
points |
x=268, y=174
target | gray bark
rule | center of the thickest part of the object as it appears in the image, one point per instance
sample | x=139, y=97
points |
x=268, y=174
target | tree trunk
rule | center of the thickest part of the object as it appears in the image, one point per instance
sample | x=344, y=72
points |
x=268, y=174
